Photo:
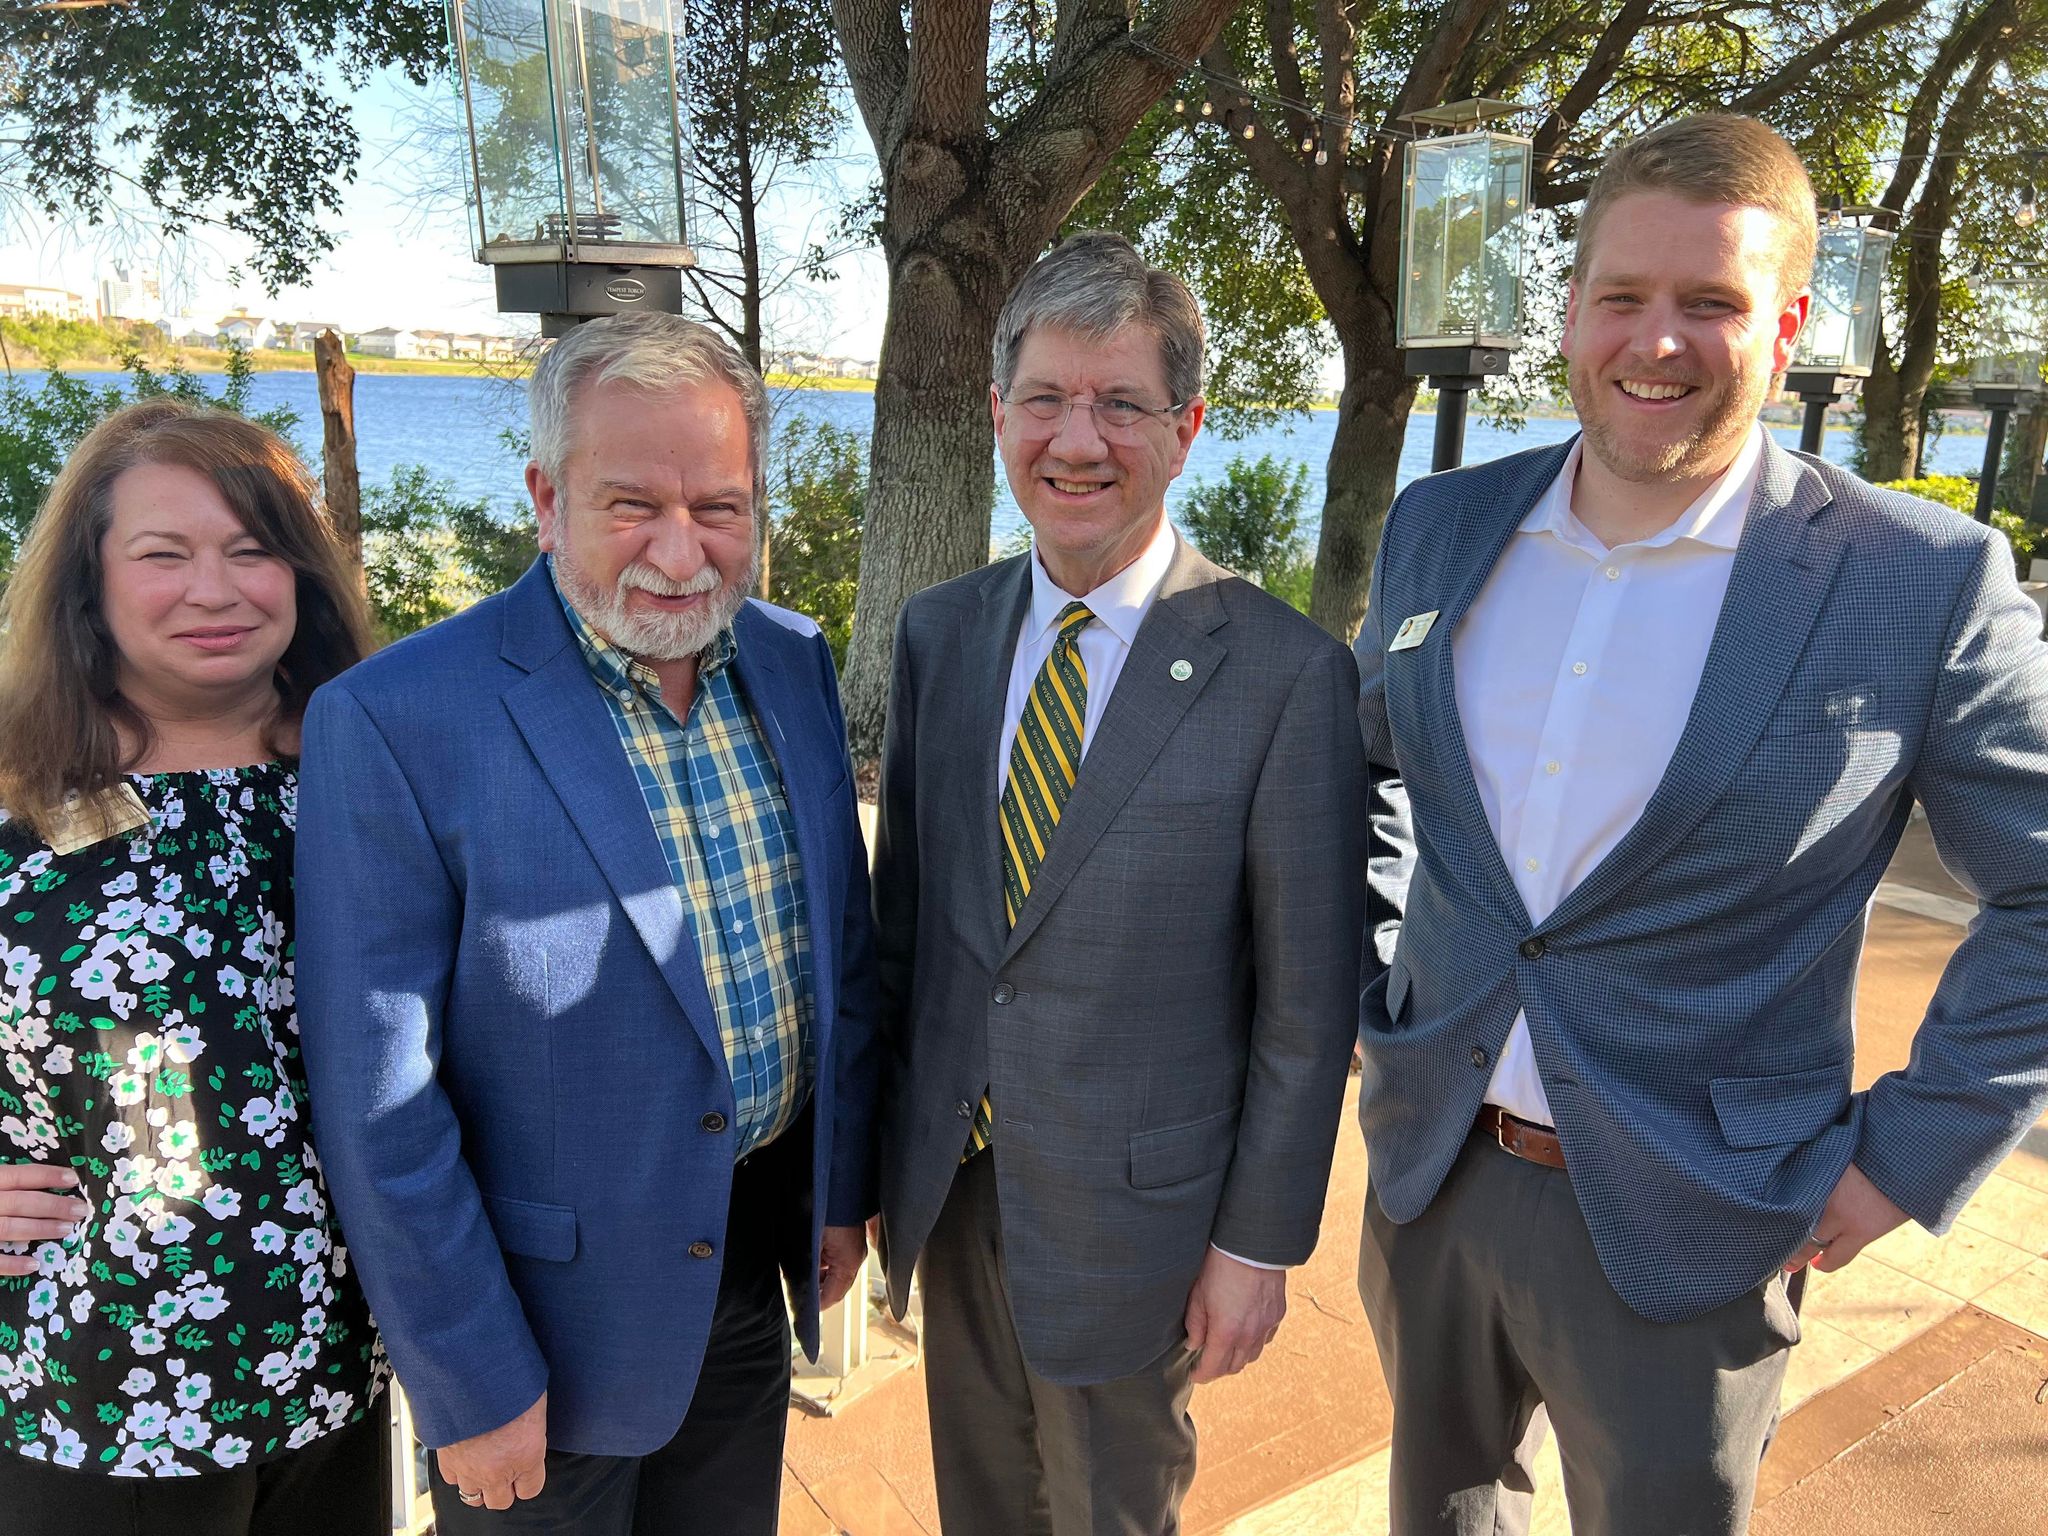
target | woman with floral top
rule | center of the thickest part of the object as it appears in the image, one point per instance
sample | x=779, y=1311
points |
x=182, y=1346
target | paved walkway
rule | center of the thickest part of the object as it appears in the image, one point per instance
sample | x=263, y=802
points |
x=1916, y=1402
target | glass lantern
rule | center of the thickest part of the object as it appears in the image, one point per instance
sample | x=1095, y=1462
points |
x=1463, y=198
x=576, y=152
x=1848, y=283
x=2012, y=331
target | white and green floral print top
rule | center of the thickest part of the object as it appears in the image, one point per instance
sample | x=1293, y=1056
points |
x=204, y=1315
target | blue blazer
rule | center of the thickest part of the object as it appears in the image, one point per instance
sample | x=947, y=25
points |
x=1692, y=1002
x=510, y=1050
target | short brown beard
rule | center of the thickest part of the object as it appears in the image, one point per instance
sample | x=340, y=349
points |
x=1688, y=457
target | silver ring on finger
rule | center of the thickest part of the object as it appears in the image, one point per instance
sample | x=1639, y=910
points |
x=469, y=1498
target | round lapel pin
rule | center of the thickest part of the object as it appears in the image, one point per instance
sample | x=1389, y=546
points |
x=1181, y=671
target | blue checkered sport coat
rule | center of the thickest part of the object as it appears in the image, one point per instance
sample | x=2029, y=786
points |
x=1692, y=1002
x=518, y=1088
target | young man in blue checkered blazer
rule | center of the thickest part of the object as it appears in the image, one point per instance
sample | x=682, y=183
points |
x=1647, y=714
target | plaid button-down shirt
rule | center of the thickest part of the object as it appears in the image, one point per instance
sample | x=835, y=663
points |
x=723, y=819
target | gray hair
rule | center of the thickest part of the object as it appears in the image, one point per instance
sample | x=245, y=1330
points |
x=1094, y=284
x=651, y=351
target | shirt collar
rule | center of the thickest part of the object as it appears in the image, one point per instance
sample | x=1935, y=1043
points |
x=1716, y=517
x=1119, y=604
x=615, y=667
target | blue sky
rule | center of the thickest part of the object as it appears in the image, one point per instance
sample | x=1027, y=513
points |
x=404, y=253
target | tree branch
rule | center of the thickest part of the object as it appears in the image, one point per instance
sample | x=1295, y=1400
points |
x=1594, y=78
x=947, y=84
x=877, y=57
x=1059, y=144
x=1801, y=67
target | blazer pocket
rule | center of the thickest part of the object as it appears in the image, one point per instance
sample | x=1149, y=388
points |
x=1174, y=1154
x=1774, y=1111
x=536, y=1231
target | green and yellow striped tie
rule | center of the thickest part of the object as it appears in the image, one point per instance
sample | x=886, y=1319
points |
x=1043, y=760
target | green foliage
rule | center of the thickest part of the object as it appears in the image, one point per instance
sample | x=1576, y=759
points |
x=1960, y=492
x=40, y=427
x=233, y=114
x=427, y=553
x=820, y=480
x=1188, y=206
x=1250, y=523
x=56, y=342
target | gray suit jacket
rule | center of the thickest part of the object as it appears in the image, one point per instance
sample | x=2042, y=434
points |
x=1692, y=1002
x=1166, y=1028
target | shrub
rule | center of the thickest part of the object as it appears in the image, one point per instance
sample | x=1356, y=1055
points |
x=1250, y=523
x=427, y=554
x=819, y=478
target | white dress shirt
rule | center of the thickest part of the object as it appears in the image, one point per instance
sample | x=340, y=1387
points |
x=1576, y=668
x=1119, y=605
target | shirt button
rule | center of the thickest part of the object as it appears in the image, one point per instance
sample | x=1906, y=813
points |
x=1534, y=949
x=625, y=695
x=700, y=1250
x=713, y=1122
x=1578, y=669
x=739, y=927
x=1532, y=866
x=964, y=1110
x=1613, y=573
x=1553, y=767
x=1478, y=1056
x=1004, y=992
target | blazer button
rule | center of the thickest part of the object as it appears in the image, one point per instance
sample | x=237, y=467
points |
x=1534, y=949
x=1478, y=1056
x=1004, y=992
x=700, y=1250
x=713, y=1122
x=964, y=1110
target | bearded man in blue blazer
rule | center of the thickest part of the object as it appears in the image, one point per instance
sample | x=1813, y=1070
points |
x=1659, y=703
x=585, y=976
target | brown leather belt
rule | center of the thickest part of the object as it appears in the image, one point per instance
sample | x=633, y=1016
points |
x=1531, y=1143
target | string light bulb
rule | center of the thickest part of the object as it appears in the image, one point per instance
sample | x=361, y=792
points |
x=1835, y=211
x=1208, y=109
x=2028, y=212
x=1180, y=106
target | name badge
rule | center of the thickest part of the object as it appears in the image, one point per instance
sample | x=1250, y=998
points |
x=79, y=823
x=1413, y=631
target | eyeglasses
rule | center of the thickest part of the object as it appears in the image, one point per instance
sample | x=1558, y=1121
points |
x=1118, y=419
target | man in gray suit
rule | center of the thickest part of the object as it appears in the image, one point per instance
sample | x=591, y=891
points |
x=1120, y=879
x=1661, y=701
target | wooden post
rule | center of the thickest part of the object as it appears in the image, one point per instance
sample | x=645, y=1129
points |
x=338, y=442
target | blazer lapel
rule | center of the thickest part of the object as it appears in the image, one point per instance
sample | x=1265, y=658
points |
x=987, y=647
x=568, y=727
x=1148, y=704
x=1783, y=570
x=1484, y=528
x=807, y=776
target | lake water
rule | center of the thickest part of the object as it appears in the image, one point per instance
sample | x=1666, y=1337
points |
x=454, y=427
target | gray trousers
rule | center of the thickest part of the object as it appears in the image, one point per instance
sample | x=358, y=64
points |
x=1015, y=1454
x=1491, y=1313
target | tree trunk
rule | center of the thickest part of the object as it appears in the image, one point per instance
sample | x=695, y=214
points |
x=2024, y=448
x=1891, y=432
x=337, y=381
x=1364, y=462
x=931, y=461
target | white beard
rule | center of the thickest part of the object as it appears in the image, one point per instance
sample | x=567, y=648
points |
x=652, y=636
